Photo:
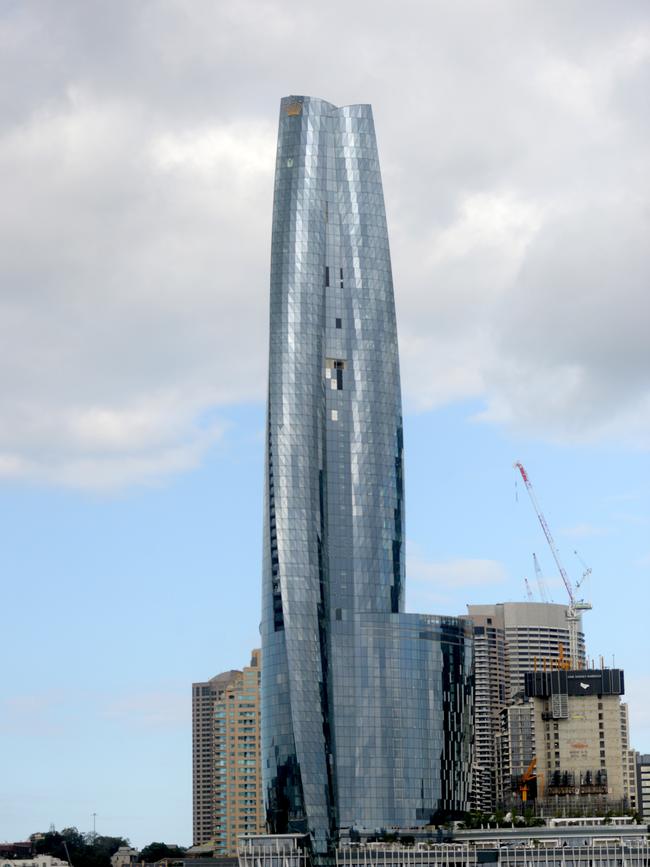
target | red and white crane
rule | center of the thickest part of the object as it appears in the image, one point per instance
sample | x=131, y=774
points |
x=575, y=605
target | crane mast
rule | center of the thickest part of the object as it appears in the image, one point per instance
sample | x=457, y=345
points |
x=575, y=605
x=546, y=529
x=529, y=592
x=543, y=592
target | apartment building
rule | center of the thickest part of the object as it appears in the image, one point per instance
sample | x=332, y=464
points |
x=227, y=788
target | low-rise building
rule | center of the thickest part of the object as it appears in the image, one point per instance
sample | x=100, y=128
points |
x=643, y=784
x=577, y=844
x=125, y=856
x=21, y=849
x=37, y=861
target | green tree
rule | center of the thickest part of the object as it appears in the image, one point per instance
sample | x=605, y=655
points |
x=158, y=851
x=81, y=850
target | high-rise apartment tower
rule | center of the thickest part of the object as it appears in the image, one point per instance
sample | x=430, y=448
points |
x=226, y=758
x=204, y=696
x=365, y=709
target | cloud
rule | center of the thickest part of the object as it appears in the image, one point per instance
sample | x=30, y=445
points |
x=584, y=531
x=456, y=573
x=637, y=694
x=136, y=162
x=121, y=334
x=35, y=714
x=51, y=712
x=148, y=710
x=434, y=583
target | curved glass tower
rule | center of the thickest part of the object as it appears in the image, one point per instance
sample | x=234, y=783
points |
x=365, y=709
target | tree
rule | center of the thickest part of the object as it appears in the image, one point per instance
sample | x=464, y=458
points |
x=158, y=851
x=81, y=850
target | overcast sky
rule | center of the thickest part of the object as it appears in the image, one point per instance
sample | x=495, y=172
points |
x=136, y=167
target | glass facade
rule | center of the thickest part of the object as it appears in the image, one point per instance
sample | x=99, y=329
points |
x=365, y=709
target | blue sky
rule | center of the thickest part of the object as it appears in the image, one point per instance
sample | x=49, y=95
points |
x=120, y=601
x=136, y=163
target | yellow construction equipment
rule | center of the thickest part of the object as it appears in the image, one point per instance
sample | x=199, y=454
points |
x=528, y=776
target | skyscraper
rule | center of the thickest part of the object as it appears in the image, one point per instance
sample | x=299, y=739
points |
x=204, y=696
x=226, y=758
x=365, y=716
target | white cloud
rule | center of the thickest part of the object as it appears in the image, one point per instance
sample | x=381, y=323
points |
x=432, y=583
x=584, y=530
x=456, y=573
x=48, y=713
x=244, y=150
x=153, y=709
x=37, y=714
x=136, y=162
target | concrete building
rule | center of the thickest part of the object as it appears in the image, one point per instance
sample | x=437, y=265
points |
x=124, y=857
x=510, y=638
x=580, y=742
x=36, y=861
x=643, y=784
x=514, y=747
x=204, y=695
x=490, y=683
x=227, y=774
x=238, y=807
x=20, y=849
x=629, y=762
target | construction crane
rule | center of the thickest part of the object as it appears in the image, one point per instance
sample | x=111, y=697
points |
x=585, y=574
x=575, y=605
x=529, y=592
x=528, y=776
x=543, y=592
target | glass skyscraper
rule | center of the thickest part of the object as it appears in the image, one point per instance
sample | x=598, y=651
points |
x=365, y=709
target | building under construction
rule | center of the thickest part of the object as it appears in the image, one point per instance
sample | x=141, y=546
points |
x=510, y=639
x=582, y=758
